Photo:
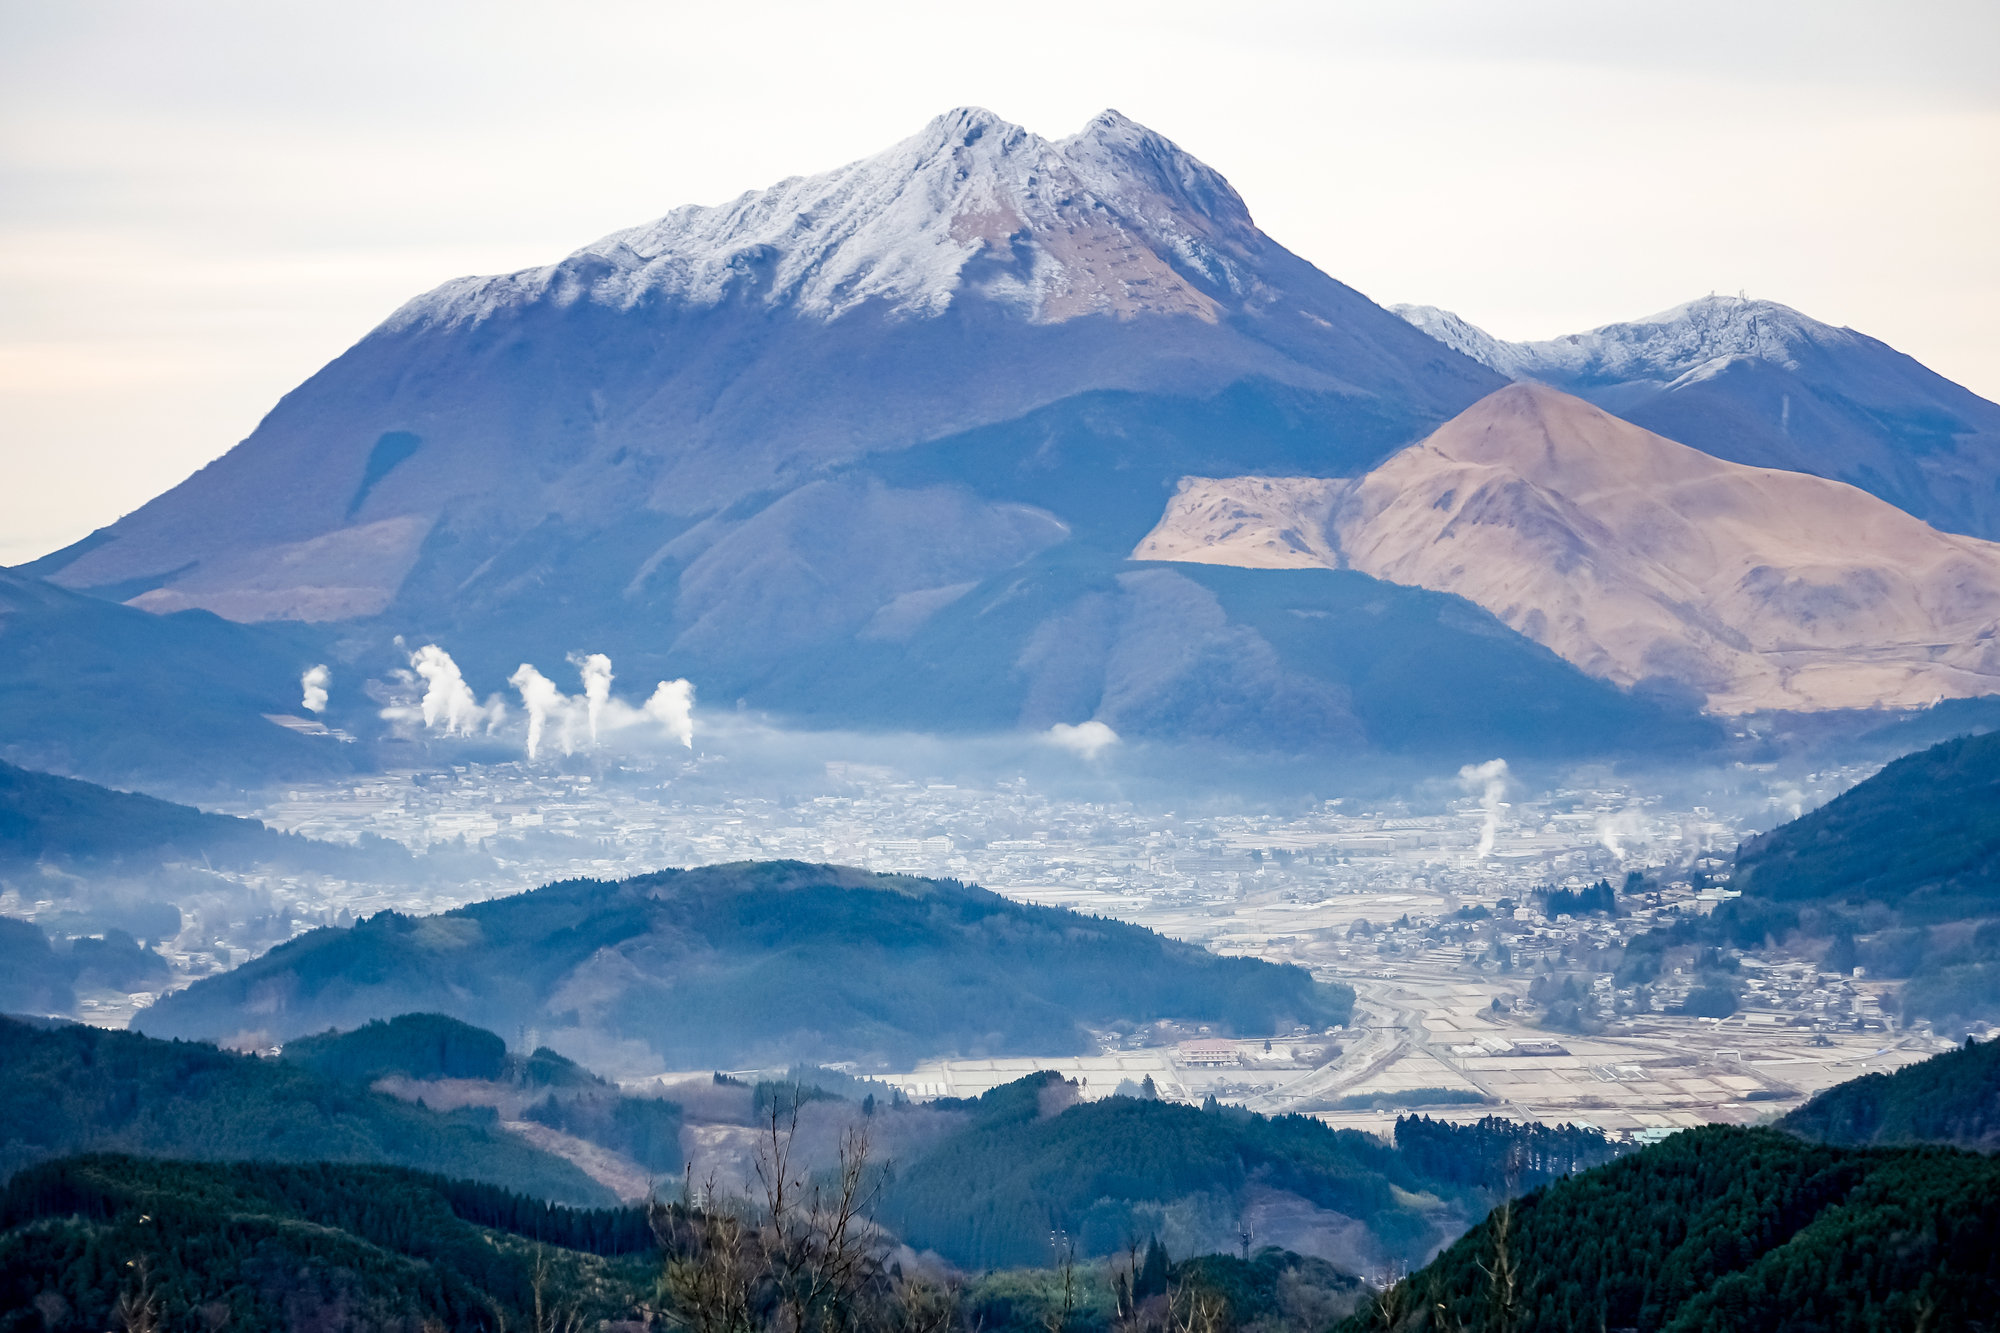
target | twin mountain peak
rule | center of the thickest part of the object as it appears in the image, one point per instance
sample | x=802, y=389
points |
x=828, y=415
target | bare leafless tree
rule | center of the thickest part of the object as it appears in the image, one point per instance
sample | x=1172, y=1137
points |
x=918, y=1304
x=713, y=1262
x=138, y=1309
x=824, y=1255
x=1503, y=1275
x=1057, y=1318
x=1195, y=1308
x=1392, y=1309
x=1125, y=1285
x=551, y=1318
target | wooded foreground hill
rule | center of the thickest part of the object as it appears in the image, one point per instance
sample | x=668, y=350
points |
x=1900, y=875
x=1953, y=1098
x=1722, y=1229
x=67, y=1088
x=90, y=1242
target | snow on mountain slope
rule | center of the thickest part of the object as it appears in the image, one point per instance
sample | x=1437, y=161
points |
x=1757, y=382
x=607, y=416
x=1070, y=227
x=1638, y=559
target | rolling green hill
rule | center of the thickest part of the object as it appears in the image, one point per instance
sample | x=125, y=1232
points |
x=70, y=1088
x=1723, y=1229
x=759, y=963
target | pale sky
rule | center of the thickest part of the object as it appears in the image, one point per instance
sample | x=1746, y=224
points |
x=202, y=201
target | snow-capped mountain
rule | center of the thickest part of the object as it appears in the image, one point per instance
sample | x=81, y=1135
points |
x=1757, y=382
x=1102, y=222
x=868, y=448
x=969, y=276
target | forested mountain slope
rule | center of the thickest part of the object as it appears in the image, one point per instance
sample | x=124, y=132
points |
x=1031, y=1159
x=1899, y=876
x=1922, y=835
x=70, y=1088
x=171, y=703
x=265, y=1246
x=758, y=963
x=1723, y=1229
x=1952, y=1098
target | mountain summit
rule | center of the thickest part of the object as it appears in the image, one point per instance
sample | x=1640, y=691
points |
x=970, y=275
x=1114, y=219
x=1757, y=382
x=776, y=445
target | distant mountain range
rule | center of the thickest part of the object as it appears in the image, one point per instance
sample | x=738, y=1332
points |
x=1757, y=382
x=706, y=423
x=873, y=448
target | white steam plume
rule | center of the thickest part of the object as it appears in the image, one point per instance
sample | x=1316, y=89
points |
x=448, y=700
x=672, y=706
x=1489, y=780
x=596, y=672
x=1613, y=831
x=543, y=700
x=598, y=710
x=1085, y=738
x=314, y=683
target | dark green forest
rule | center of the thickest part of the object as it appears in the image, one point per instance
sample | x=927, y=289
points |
x=71, y=1088
x=261, y=1246
x=420, y=1046
x=1953, y=1098
x=759, y=963
x=1721, y=1229
x=1922, y=835
x=106, y=1240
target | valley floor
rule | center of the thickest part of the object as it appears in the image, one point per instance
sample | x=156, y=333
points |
x=1289, y=889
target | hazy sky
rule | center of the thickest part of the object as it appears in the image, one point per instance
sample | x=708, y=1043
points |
x=202, y=202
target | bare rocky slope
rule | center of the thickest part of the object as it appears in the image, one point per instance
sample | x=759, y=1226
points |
x=1636, y=558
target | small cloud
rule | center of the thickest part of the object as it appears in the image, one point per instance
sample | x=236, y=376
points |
x=1085, y=738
